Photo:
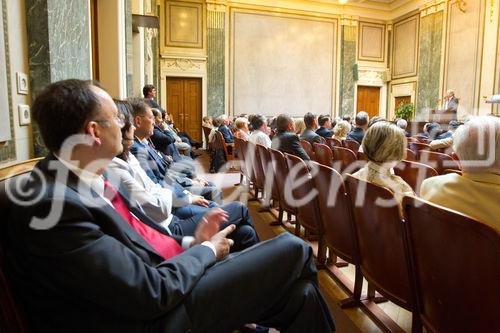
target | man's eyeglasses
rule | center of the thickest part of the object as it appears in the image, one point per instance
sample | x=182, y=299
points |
x=119, y=120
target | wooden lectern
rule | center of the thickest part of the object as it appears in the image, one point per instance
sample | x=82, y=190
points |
x=443, y=116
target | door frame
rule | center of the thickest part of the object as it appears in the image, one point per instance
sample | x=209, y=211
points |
x=382, y=98
x=189, y=67
x=201, y=91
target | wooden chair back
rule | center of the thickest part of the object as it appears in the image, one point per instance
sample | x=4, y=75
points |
x=410, y=155
x=281, y=170
x=322, y=139
x=218, y=142
x=12, y=317
x=270, y=186
x=447, y=171
x=331, y=142
x=438, y=161
x=323, y=154
x=308, y=148
x=206, y=133
x=457, y=268
x=416, y=147
x=259, y=178
x=307, y=207
x=414, y=173
x=352, y=145
x=379, y=228
x=421, y=138
x=334, y=208
x=240, y=154
x=346, y=160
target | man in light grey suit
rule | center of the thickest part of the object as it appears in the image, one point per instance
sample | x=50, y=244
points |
x=450, y=101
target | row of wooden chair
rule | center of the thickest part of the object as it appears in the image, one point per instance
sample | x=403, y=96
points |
x=415, y=261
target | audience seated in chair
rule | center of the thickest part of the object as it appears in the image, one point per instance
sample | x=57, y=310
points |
x=476, y=192
x=361, y=125
x=285, y=139
x=309, y=134
x=341, y=129
x=325, y=126
x=98, y=264
x=242, y=131
x=181, y=215
x=384, y=146
x=260, y=134
x=156, y=200
x=155, y=164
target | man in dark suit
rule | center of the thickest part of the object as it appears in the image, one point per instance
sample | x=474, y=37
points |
x=285, y=139
x=309, y=134
x=83, y=260
x=156, y=164
x=360, y=127
x=226, y=132
x=325, y=126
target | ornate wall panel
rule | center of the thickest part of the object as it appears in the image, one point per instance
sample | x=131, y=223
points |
x=293, y=68
x=216, y=62
x=405, y=50
x=371, y=41
x=462, y=53
x=431, y=29
x=184, y=24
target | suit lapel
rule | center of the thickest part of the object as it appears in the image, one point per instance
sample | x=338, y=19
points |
x=91, y=199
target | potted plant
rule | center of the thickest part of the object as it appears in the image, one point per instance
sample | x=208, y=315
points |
x=405, y=111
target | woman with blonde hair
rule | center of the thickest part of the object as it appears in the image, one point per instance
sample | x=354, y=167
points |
x=242, y=131
x=384, y=145
x=300, y=126
x=341, y=129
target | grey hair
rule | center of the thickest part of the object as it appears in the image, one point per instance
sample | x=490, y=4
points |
x=362, y=118
x=402, y=124
x=477, y=144
x=384, y=142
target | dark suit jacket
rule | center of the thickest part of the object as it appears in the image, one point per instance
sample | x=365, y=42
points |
x=226, y=133
x=356, y=134
x=155, y=104
x=156, y=166
x=289, y=142
x=91, y=271
x=162, y=139
x=311, y=136
x=324, y=132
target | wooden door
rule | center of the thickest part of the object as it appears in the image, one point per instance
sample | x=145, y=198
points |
x=184, y=104
x=368, y=100
x=401, y=100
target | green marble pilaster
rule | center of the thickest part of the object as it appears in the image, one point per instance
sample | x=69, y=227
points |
x=431, y=28
x=7, y=150
x=216, y=63
x=347, y=64
x=58, y=46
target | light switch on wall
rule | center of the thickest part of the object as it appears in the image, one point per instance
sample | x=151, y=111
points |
x=24, y=114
